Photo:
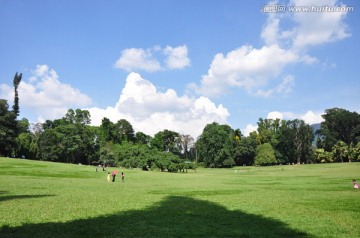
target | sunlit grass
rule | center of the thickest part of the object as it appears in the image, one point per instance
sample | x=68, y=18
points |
x=42, y=198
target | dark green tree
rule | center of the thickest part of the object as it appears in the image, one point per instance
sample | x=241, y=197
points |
x=214, y=145
x=295, y=143
x=106, y=131
x=16, y=82
x=8, y=129
x=166, y=140
x=142, y=138
x=123, y=131
x=269, y=131
x=244, y=150
x=26, y=145
x=50, y=147
x=339, y=125
x=69, y=139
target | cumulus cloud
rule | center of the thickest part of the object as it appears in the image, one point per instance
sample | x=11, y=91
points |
x=283, y=88
x=314, y=28
x=312, y=117
x=149, y=60
x=177, y=58
x=151, y=111
x=44, y=94
x=246, y=67
x=137, y=59
x=248, y=129
x=308, y=28
x=275, y=115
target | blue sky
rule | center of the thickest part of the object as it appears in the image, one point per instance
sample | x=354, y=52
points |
x=179, y=65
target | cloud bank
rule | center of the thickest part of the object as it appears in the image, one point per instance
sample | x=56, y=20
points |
x=151, y=111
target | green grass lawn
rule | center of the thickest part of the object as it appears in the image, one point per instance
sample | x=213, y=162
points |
x=42, y=199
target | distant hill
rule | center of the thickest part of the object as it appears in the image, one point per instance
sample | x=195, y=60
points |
x=315, y=127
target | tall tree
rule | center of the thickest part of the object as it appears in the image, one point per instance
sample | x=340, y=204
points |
x=166, y=140
x=340, y=151
x=142, y=138
x=16, y=82
x=8, y=129
x=214, y=145
x=244, y=149
x=106, y=131
x=269, y=131
x=186, y=143
x=295, y=143
x=82, y=117
x=123, y=131
x=339, y=125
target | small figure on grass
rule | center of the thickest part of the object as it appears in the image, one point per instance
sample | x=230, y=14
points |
x=109, y=177
x=122, y=176
x=114, y=173
x=356, y=185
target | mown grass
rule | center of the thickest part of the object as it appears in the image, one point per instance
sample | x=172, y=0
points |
x=42, y=199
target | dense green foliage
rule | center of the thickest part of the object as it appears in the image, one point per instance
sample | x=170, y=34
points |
x=44, y=199
x=8, y=129
x=339, y=136
x=214, y=145
x=265, y=155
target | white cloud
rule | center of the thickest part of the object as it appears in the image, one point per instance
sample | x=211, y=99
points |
x=177, y=57
x=249, y=128
x=45, y=95
x=285, y=87
x=309, y=28
x=245, y=67
x=314, y=28
x=312, y=117
x=275, y=115
x=270, y=32
x=137, y=59
x=151, y=111
x=150, y=60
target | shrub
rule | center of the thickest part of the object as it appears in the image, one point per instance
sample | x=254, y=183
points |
x=265, y=155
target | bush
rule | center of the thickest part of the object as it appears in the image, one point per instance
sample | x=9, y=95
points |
x=265, y=155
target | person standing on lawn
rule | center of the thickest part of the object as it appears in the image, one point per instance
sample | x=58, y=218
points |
x=356, y=185
x=114, y=173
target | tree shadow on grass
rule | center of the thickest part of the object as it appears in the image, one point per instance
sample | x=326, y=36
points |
x=12, y=197
x=176, y=216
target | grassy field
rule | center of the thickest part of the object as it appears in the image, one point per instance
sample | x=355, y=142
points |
x=42, y=199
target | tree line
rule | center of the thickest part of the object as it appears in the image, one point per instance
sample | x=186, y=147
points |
x=72, y=139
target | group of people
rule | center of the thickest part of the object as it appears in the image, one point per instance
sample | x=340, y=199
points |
x=111, y=176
